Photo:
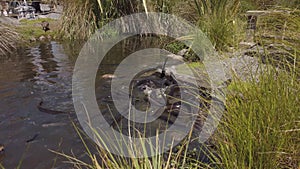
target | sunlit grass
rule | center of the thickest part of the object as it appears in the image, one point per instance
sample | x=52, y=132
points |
x=261, y=127
x=78, y=20
x=279, y=25
x=8, y=40
x=104, y=159
x=29, y=29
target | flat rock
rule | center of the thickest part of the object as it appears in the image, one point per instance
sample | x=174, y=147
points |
x=243, y=67
x=182, y=52
x=247, y=45
x=9, y=21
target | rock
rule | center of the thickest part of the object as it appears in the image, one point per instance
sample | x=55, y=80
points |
x=9, y=21
x=247, y=45
x=42, y=38
x=58, y=9
x=175, y=57
x=243, y=67
x=255, y=51
x=32, y=39
x=201, y=77
x=54, y=16
x=182, y=52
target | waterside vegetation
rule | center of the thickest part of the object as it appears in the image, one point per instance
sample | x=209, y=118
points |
x=261, y=126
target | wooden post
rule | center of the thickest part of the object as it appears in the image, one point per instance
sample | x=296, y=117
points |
x=251, y=23
x=251, y=27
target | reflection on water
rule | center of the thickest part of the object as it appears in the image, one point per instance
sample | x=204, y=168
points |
x=42, y=72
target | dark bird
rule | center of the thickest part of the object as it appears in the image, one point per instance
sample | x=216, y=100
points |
x=45, y=26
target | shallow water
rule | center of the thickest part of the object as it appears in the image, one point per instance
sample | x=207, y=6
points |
x=42, y=72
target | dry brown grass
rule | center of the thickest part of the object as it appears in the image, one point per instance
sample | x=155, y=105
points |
x=78, y=20
x=8, y=40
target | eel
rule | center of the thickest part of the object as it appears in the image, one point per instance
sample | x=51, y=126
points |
x=32, y=139
x=49, y=111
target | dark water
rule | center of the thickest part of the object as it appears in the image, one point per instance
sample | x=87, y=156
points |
x=42, y=72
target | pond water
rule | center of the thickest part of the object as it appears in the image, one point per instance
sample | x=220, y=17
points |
x=43, y=73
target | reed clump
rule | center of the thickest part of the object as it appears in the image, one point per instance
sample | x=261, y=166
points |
x=78, y=20
x=261, y=127
x=8, y=40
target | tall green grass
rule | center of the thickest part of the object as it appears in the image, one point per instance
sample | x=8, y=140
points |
x=219, y=20
x=280, y=27
x=78, y=20
x=261, y=128
x=279, y=34
x=81, y=18
x=103, y=159
x=32, y=29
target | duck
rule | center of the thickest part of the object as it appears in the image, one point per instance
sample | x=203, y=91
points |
x=45, y=26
